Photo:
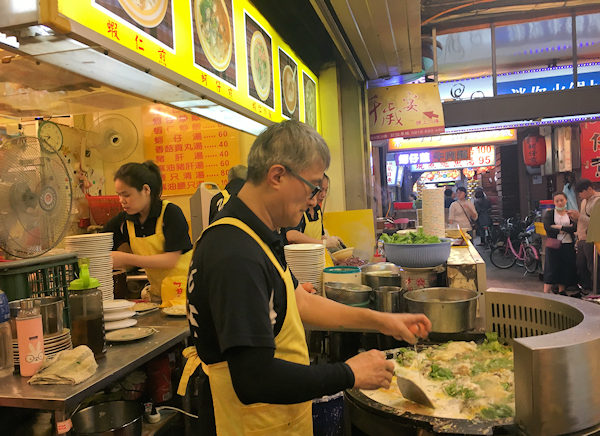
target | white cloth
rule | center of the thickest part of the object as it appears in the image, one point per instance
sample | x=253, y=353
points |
x=563, y=220
x=68, y=367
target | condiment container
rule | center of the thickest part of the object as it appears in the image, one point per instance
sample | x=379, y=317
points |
x=7, y=365
x=87, y=315
x=30, y=338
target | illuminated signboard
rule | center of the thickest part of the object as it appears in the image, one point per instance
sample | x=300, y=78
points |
x=481, y=156
x=469, y=138
x=392, y=172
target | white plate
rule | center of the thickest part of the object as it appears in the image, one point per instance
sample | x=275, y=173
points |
x=86, y=236
x=116, y=305
x=178, y=310
x=118, y=315
x=130, y=334
x=121, y=324
x=144, y=306
x=303, y=247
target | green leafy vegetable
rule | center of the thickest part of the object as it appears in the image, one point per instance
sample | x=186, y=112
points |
x=406, y=356
x=455, y=391
x=439, y=373
x=496, y=411
x=410, y=238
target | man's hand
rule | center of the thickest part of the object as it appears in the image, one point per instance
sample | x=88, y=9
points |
x=371, y=370
x=405, y=326
x=333, y=242
x=573, y=214
x=308, y=287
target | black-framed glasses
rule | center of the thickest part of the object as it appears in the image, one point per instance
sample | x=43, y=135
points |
x=314, y=188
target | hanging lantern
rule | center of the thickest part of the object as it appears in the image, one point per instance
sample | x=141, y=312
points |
x=534, y=150
x=469, y=173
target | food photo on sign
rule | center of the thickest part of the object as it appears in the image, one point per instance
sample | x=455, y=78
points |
x=310, y=101
x=153, y=17
x=214, y=38
x=288, y=77
x=260, y=62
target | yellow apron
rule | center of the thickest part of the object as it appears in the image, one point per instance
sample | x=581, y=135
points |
x=232, y=418
x=314, y=229
x=167, y=284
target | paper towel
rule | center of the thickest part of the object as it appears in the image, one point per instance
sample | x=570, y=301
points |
x=433, y=212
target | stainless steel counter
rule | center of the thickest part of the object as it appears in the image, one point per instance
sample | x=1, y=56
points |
x=121, y=358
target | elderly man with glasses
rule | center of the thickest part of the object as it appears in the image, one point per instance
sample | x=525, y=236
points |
x=246, y=310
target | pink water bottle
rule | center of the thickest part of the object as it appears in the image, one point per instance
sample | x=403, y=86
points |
x=30, y=338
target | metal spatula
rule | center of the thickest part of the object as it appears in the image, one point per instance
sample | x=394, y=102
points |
x=411, y=391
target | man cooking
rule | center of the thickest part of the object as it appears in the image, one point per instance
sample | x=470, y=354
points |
x=247, y=312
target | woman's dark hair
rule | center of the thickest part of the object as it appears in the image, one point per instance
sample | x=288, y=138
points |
x=478, y=193
x=137, y=175
x=448, y=192
x=556, y=194
x=461, y=188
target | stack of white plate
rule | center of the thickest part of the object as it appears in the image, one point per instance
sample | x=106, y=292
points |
x=306, y=261
x=118, y=314
x=52, y=344
x=97, y=248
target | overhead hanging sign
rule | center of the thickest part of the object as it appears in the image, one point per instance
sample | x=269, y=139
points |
x=590, y=151
x=481, y=156
x=468, y=138
x=225, y=46
x=405, y=111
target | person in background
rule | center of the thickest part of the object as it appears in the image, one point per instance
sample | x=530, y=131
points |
x=448, y=200
x=482, y=206
x=560, y=265
x=310, y=230
x=462, y=211
x=150, y=233
x=236, y=177
x=247, y=312
x=585, y=250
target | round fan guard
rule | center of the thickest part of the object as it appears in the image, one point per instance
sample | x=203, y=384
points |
x=115, y=137
x=36, y=197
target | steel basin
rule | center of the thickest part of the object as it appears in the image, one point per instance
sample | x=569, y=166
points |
x=113, y=418
x=451, y=310
x=348, y=293
x=376, y=275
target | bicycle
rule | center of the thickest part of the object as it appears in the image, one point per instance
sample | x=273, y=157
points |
x=504, y=256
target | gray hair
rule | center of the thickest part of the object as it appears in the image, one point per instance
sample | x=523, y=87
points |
x=237, y=172
x=291, y=143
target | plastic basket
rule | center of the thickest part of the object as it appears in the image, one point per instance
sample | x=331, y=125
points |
x=44, y=276
x=403, y=205
x=103, y=207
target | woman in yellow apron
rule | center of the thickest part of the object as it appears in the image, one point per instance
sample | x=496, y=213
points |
x=150, y=233
x=311, y=229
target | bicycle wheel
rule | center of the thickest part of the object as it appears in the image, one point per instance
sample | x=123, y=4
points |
x=531, y=263
x=502, y=257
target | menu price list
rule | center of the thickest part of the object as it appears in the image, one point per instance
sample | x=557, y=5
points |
x=188, y=149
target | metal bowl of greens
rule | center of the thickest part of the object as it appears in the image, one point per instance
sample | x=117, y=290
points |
x=416, y=249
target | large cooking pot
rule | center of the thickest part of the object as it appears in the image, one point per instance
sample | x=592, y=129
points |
x=113, y=418
x=51, y=309
x=418, y=278
x=450, y=310
x=376, y=275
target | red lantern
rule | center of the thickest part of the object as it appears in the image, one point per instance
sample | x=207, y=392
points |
x=534, y=150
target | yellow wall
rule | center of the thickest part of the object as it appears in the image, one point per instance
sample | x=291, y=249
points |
x=329, y=98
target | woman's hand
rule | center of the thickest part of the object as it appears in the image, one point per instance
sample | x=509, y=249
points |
x=120, y=259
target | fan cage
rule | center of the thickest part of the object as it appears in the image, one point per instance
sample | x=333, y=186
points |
x=45, y=276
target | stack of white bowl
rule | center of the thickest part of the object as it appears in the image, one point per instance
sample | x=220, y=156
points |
x=53, y=344
x=97, y=248
x=118, y=314
x=306, y=261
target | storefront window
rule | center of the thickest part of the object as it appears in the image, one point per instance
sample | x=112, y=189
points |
x=534, y=57
x=465, y=65
x=588, y=50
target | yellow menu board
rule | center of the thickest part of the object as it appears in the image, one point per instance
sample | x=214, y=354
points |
x=225, y=46
x=188, y=149
x=405, y=111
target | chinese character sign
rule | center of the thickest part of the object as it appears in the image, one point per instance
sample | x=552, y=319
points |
x=188, y=149
x=590, y=151
x=405, y=111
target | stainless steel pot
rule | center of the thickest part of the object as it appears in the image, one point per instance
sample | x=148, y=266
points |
x=389, y=299
x=113, y=418
x=451, y=310
x=51, y=309
x=348, y=293
x=376, y=275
